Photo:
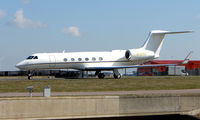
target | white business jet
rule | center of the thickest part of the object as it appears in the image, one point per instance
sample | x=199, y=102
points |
x=99, y=61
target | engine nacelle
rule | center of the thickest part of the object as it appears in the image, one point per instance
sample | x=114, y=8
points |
x=139, y=54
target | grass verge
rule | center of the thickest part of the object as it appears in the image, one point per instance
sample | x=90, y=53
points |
x=94, y=84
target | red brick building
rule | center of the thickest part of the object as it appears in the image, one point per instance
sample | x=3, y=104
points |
x=192, y=67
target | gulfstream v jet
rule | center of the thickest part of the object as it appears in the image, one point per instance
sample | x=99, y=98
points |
x=99, y=61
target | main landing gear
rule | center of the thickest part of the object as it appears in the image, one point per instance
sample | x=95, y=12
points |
x=116, y=74
x=102, y=75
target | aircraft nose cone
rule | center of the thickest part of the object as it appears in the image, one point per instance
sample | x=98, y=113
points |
x=20, y=65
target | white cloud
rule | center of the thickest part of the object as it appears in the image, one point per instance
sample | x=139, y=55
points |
x=26, y=2
x=73, y=30
x=2, y=14
x=23, y=22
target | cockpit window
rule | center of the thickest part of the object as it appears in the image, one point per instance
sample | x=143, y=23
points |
x=35, y=57
x=30, y=57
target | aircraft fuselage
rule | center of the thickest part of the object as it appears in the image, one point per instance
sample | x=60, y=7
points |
x=82, y=60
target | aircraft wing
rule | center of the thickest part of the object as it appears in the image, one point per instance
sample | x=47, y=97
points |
x=185, y=61
x=132, y=66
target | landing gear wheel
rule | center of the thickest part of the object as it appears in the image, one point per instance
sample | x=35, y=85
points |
x=117, y=76
x=101, y=75
x=29, y=75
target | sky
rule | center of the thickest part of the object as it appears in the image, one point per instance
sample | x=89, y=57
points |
x=38, y=26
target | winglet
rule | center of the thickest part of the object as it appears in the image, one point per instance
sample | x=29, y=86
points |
x=186, y=60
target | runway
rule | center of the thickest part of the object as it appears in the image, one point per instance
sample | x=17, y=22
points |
x=110, y=93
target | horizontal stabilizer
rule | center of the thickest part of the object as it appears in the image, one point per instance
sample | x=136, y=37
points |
x=169, y=32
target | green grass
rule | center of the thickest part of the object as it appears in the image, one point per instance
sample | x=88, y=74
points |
x=94, y=84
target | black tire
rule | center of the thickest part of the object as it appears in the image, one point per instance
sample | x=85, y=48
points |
x=101, y=76
x=117, y=76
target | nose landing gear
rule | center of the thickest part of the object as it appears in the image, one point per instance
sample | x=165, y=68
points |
x=30, y=74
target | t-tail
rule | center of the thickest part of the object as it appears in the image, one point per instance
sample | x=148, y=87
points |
x=155, y=40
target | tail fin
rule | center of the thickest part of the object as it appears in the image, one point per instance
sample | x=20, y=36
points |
x=155, y=40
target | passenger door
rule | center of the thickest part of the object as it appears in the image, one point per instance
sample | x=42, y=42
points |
x=52, y=61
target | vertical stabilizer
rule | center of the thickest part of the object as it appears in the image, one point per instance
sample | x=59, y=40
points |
x=155, y=40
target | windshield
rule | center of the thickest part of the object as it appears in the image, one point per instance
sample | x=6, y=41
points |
x=32, y=57
x=35, y=57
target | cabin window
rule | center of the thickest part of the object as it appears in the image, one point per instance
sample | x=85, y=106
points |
x=65, y=59
x=79, y=59
x=93, y=58
x=35, y=57
x=86, y=59
x=100, y=58
x=72, y=59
